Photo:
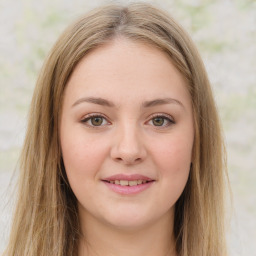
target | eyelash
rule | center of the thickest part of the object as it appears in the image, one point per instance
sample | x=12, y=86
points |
x=166, y=117
x=89, y=117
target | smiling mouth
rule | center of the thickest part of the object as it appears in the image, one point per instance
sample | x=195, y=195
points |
x=126, y=185
x=128, y=182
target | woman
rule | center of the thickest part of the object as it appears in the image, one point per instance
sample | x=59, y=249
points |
x=123, y=153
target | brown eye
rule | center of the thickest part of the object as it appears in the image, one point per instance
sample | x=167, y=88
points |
x=158, y=121
x=161, y=121
x=96, y=121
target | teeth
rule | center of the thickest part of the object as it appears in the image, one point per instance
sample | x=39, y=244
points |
x=133, y=183
x=128, y=183
x=124, y=182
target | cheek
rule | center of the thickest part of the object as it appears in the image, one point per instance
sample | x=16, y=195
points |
x=173, y=155
x=82, y=155
x=172, y=158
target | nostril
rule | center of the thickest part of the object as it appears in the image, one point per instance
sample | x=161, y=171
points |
x=127, y=160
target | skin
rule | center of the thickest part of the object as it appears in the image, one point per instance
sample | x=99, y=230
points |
x=128, y=139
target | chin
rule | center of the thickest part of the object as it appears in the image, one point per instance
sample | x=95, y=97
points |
x=130, y=221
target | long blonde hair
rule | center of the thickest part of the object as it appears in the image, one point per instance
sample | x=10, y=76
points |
x=46, y=219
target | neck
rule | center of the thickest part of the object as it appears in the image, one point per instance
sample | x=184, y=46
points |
x=101, y=239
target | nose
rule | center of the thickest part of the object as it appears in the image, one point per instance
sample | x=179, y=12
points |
x=128, y=147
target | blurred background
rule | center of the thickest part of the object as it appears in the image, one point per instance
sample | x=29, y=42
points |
x=225, y=33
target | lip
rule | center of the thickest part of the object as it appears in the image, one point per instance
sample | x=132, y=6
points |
x=128, y=190
x=129, y=177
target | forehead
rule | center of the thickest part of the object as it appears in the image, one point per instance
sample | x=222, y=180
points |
x=126, y=69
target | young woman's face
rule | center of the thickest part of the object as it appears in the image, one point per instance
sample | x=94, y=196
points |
x=126, y=135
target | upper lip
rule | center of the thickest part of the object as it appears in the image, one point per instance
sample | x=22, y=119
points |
x=129, y=177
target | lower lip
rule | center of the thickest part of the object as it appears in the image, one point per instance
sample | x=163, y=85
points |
x=129, y=190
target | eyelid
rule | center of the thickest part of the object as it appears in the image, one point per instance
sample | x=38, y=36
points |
x=89, y=116
x=162, y=115
x=166, y=116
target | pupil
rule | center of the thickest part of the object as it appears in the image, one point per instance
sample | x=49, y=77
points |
x=97, y=121
x=158, y=121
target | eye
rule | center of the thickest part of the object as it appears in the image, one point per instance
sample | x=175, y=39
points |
x=95, y=120
x=161, y=121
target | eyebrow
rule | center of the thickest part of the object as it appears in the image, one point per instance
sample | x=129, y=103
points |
x=145, y=104
x=98, y=101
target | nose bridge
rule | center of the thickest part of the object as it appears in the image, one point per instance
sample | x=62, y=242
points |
x=128, y=147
